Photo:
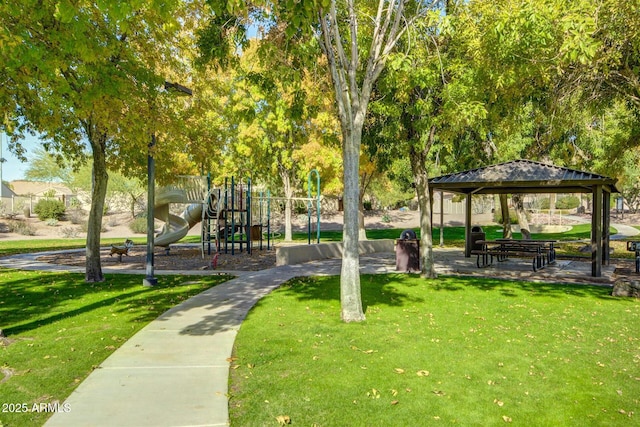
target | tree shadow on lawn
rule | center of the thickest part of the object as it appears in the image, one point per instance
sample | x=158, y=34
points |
x=30, y=301
x=223, y=308
x=375, y=290
x=384, y=289
x=514, y=288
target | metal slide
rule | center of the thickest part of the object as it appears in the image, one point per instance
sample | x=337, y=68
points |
x=175, y=226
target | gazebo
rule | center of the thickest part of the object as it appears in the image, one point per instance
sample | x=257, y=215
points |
x=529, y=177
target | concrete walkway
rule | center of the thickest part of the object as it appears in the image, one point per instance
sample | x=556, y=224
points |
x=623, y=231
x=174, y=372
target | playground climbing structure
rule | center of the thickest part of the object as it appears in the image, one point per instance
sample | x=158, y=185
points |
x=243, y=218
x=233, y=217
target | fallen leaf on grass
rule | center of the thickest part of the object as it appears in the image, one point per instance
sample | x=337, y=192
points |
x=398, y=370
x=374, y=394
x=498, y=402
x=506, y=419
x=283, y=419
x=423, y=373
x=394, y=402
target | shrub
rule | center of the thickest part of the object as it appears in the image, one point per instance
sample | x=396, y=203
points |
x=70, y=232
x=75, y=216
x=497, y=217
x=112, y=221
x=567, y=202
x=49, y=208
x=545, y=203
x=139, y=225
x=21, y=227
x=51, y=222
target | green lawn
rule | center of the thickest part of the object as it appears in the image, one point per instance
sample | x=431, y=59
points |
x=60, y=328
x=449, y=351
x=11, y=247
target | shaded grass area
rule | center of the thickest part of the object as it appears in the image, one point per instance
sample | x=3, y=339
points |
x=59, y=328
x=447, y=351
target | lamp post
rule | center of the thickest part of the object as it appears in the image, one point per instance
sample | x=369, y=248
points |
x=149, y=279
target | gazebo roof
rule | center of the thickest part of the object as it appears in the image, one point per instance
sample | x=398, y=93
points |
x=522, y=175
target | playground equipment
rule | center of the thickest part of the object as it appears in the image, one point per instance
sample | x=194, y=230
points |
x=175, y=227
x=240, y=218
x=233, y=218
x=230, y=217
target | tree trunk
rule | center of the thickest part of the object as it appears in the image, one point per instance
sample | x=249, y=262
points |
x=352, y=99
x=421, y=178
x=100, y=178
x=350, y=295
x=365, y=180
x=132, y=205
x=521, y=215
x=506, y=218
x=362, y=231
x=426, y=239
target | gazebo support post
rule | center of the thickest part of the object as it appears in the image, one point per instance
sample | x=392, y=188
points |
x=467, y=226
x=606, y=222
x=596, y=232
x=441, y=219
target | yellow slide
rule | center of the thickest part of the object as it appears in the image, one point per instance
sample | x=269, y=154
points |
x=175, y=227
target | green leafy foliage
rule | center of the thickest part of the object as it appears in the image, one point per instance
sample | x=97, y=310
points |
x=49, y=209
x=568, y=202
x=139, y=225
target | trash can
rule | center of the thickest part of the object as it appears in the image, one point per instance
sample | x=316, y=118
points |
x=477, y=234
x=408, y=252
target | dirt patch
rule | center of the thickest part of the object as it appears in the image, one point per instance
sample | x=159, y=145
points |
x=179, y=258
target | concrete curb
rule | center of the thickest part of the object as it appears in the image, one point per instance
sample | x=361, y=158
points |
x=299, y=254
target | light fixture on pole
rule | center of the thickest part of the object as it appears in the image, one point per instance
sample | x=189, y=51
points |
x=149, y=279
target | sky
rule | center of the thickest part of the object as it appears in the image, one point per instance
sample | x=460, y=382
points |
x=12, y=168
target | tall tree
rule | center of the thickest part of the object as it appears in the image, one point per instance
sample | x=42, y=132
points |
x=86, y=74
x=356, y=39
x=276, y=98
x=43, y=166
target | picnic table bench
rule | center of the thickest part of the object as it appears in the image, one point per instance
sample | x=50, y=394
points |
x=541, y=252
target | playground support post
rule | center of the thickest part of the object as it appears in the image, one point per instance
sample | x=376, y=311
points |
x=317, y=206
x=248, y=223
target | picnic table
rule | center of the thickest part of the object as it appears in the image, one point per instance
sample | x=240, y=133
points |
x=541, y=252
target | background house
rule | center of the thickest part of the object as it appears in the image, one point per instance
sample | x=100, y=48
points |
x=28, y=193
